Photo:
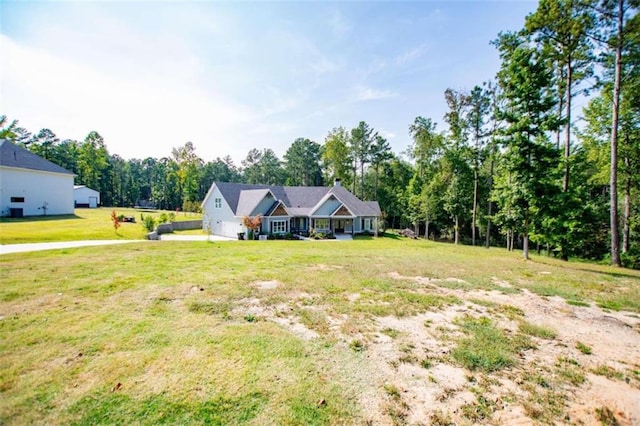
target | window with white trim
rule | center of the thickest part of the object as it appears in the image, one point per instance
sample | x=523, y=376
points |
x=218, y=203
x=367, y=224
x=321, y=223
x=279, y=226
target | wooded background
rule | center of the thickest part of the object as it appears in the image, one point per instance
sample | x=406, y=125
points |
x=517, y=164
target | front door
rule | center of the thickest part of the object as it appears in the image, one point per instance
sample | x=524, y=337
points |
x=339, y=226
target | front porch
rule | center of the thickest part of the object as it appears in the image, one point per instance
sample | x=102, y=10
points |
x=333, y=225
x=302, y=225
x=284, y=225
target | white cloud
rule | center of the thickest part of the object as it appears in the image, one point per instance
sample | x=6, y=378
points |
x=386, y=134
x=323, y=65
x=338, y=24
x=138, y=117
x=411, y=55
x=280, y=101
x=364, y=93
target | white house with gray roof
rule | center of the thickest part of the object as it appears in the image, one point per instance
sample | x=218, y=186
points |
x=31, y=185
x=284, y=209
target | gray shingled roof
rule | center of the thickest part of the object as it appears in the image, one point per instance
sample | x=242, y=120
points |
x=301, y=196
x=231, y=192
x=298, y=200
x=357, y=207
x=249, y=199
x=12, y=155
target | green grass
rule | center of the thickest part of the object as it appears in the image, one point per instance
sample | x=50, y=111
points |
x=578, y=303
x=608, y=372
x=170, y=323
x=537, y=330
x=393, y=333
x=485, y=348
x=570, y=371
x=585, y=349
x=479, y=410
x=85, y=224
x=606, y=417
x=118, y=408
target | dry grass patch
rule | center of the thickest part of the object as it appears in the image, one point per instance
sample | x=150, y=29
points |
x=190, y=333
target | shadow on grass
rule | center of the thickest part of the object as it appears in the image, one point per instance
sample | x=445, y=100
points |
x=39, y=218
x=392, y=236
x=620, y=273
x=387, y=235
x=577, y=265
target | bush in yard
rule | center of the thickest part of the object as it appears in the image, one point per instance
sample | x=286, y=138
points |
x=321, y=235
x=164, y=218
x=148, y=222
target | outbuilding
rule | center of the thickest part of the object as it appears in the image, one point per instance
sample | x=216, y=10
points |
x=85, y=197
x=31, y=185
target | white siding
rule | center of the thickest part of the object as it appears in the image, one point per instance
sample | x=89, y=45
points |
x=220, y=221
x=39, y=189
x=83, y=195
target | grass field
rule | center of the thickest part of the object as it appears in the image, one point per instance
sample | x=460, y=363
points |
x=304, y=333
x=85, y=224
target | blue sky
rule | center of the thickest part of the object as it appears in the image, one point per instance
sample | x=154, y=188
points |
x=231, y=76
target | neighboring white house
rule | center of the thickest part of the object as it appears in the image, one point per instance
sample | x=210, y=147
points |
x=284, y=209
x=85, y=197
x=31, y=185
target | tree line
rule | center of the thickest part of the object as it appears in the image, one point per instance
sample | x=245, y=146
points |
x=517, y=164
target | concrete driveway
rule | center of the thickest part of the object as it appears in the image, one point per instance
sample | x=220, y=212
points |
x=171, y=237
x=22, y=248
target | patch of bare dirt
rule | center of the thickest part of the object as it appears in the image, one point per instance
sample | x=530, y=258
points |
x=322, y=267
x=405, y=374
x=282, y=314
x=613, y=338
x=266, y=285
x=500, y=283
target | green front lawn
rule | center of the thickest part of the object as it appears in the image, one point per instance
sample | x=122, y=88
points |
x=85, y=224
x=261, y=332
